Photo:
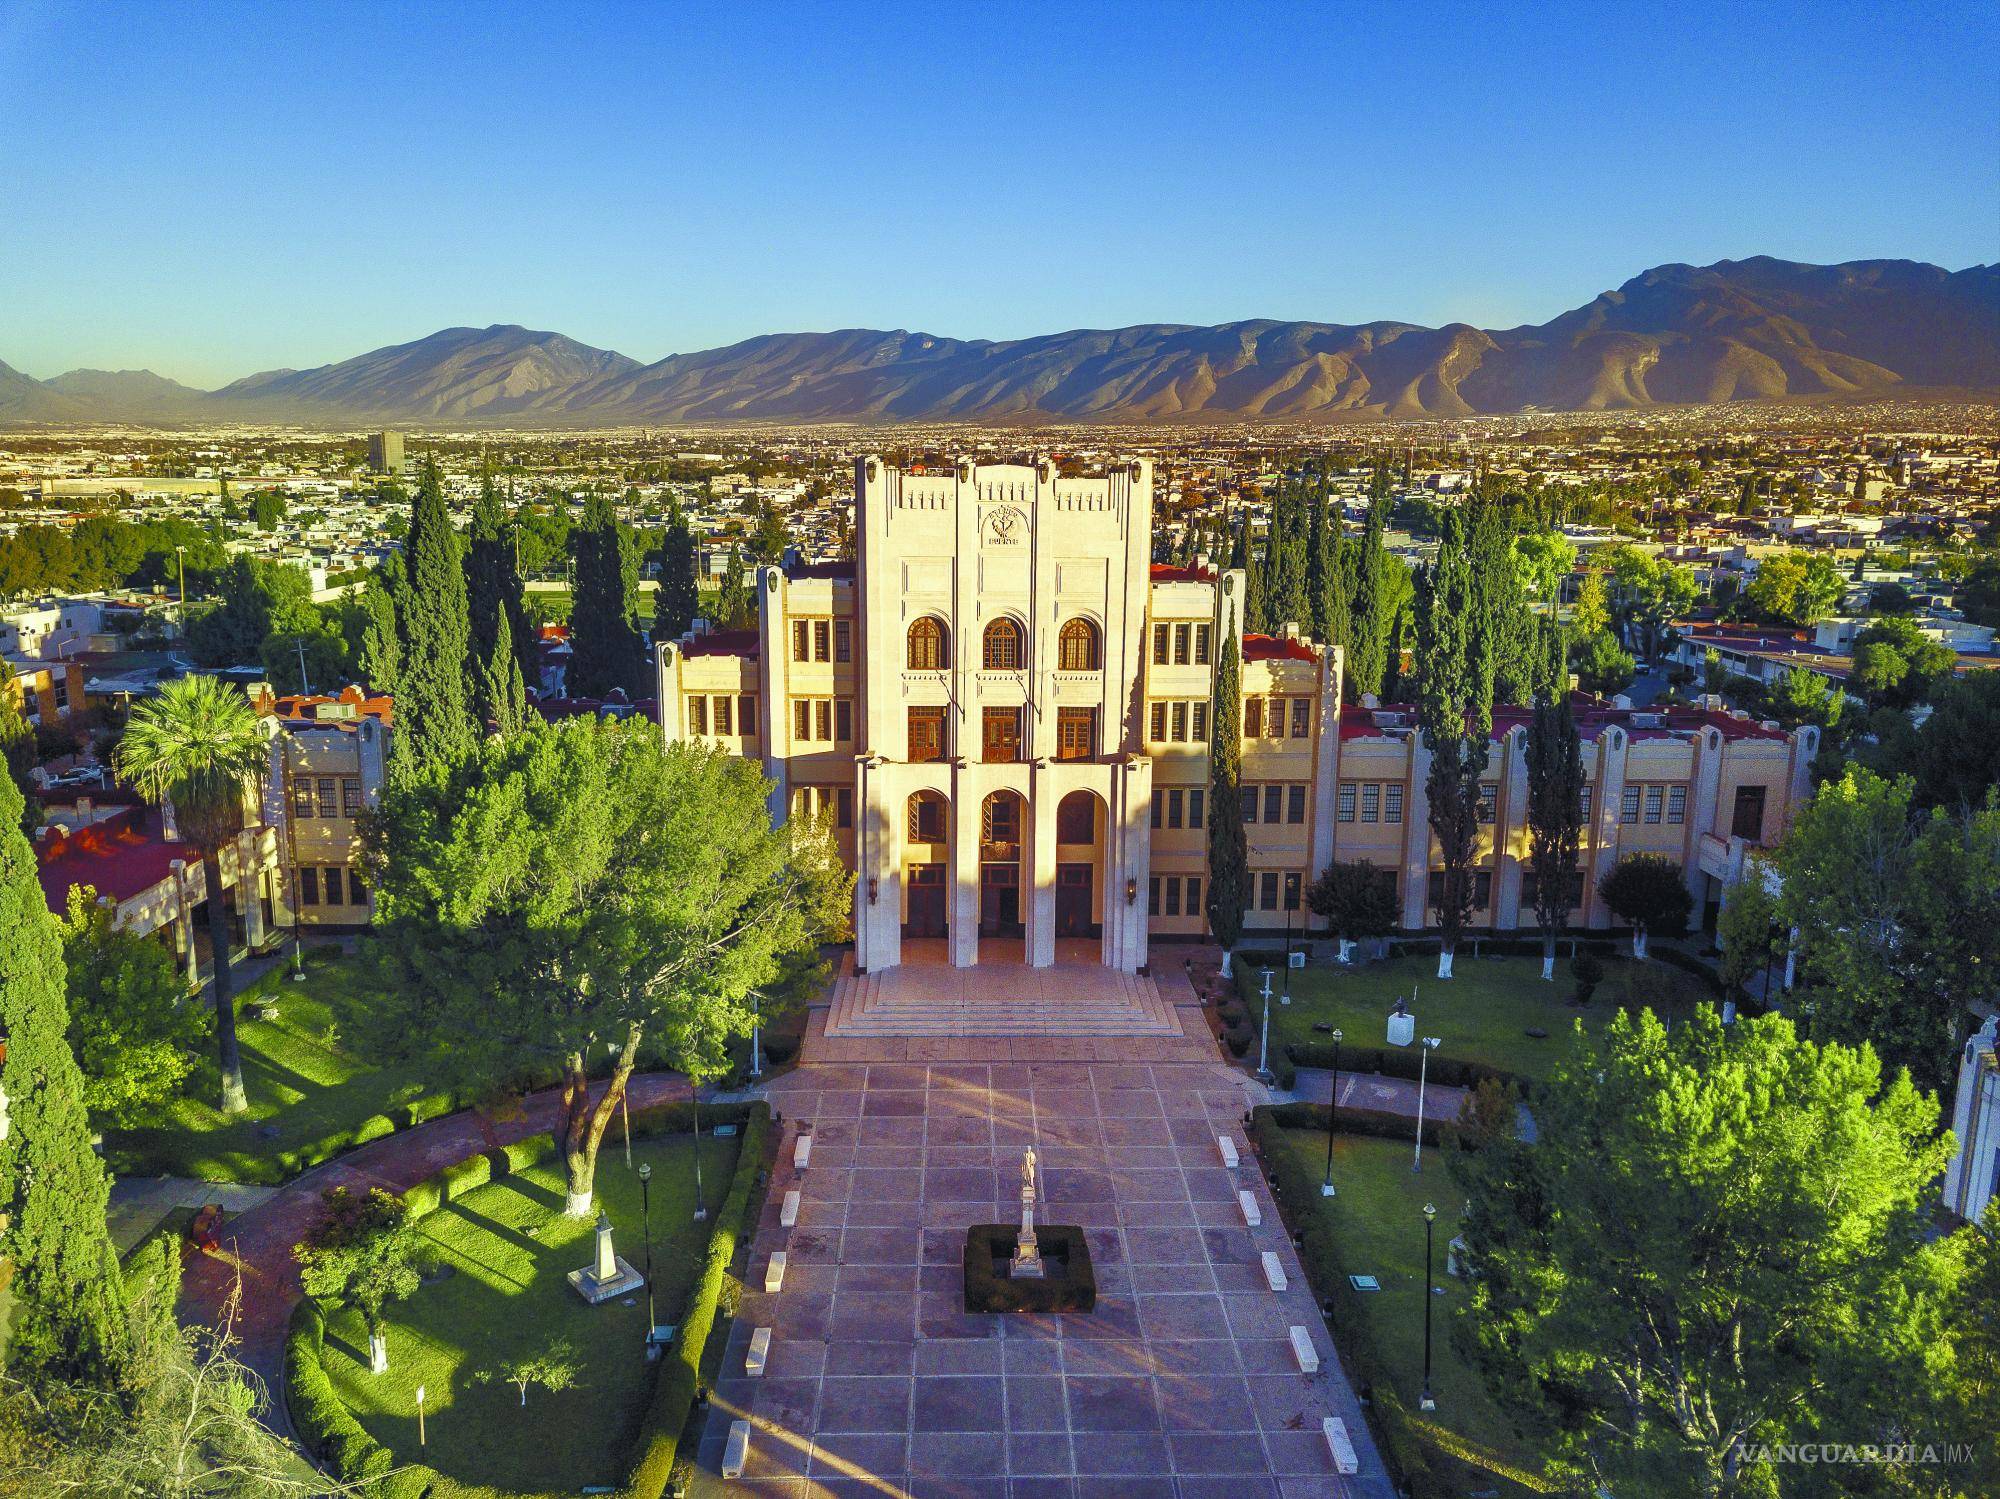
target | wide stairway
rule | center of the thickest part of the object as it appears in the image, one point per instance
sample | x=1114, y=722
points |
x=1066, y=999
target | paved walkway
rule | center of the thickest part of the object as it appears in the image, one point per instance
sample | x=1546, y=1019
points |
x=257, y=1244
x=140, y=1204
x=1371, y=1090
x=1182, y=1384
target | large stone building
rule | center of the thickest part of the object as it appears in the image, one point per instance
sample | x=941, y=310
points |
x=1003, y=709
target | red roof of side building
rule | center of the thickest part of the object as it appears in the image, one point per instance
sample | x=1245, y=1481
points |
x=123, y=855
x=299, y=708
x=1164, y=572
x=1276, y=648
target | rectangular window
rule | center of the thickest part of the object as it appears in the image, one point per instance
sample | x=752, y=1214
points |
x=1344, y=806
x=1267, y=890
x=746, y=714
x=1274, y=803
x=329, y=797
x=1482, y=888
x=1655, y=798
x=1295, y=804
x=822, y=640
x=725, y=715
x=1371, y=802
x=843, y=640
x=1274, y=721
x=1246, y=802
x=1677, y=804
x=1489, y=798
x=843, y=721
x=302, y=798
x=1159, y=645
x=1748, y=818
x=697, y=715
x=801, y=640
x=309, y=886
x=1197, y=800
x=335, y=895
x=802, y=719
x=1253, y=718
x=1176, y=806
x=843, y=807
x=1153, y=896
x=1583, y=804
x=1293, y=885
x=1158, y=726
x=1628, y=809
x=1173, y=897
x=1182, y=634
x=1000, y=735
x=1200, y=659
x=1392, y=802
x=1180, y=723
x=1159, y=801
x=1301, y=717
x=1194, y=890
x=926, y=818
x=60, y=685
x=823, y=719
x=1076, y=733
x=350, y=796
x=1198, y=728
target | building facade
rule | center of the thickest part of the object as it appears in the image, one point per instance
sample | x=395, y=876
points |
x=1004, y=712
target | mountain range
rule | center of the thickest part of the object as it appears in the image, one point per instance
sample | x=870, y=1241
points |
x=1733, y=331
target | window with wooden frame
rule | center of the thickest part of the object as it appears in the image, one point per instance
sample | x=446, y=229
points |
x=1003, y=646
x=1076, y=646
x=1000, y=734
x=926, y=733
x=1076, y=733
x=926, y=651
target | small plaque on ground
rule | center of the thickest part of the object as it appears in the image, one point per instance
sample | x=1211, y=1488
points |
x=723, y=1131
x=1364, y=1282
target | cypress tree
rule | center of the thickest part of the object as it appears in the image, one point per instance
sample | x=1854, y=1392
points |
x=1285, y=579
x=378, y=651
x=1555, y=797
x=1375, y=603
x=602, y=631
x=1455, y=714
x=56, y=1257
x=1228, y=850
x=434, y=723
x=1256, y=572
x=1327, y=579
x=676, y=602
x=493, y=597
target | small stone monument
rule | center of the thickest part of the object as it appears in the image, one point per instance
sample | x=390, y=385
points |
x=1027, y=1263
x=610, y=1275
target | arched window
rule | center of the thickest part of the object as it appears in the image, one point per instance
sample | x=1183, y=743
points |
x=927, y=646
x=1076, y=646
x=1076, y=818
x=1003, y=646
x=926, y=814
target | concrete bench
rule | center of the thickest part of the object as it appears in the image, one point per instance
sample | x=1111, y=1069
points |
x=789, y=1213
x=760, y=1352
x=738, y=1451
x=1304, y=1352
x=774, y=1272
x=1251, y=1216
x=1274, y=1273
x=802, y=1151
x=1227, y=1148
x=1345, y=1459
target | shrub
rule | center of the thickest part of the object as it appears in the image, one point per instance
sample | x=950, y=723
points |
x=1238, y=1038
x=1398, y=1062
x=666, y=1417
x=1069, y=1286
x=374, y=1127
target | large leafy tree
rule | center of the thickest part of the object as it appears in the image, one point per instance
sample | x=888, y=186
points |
x=1649, y=592
x=1794, y=588
x=1455, y=714
x=1228, y=849
x=134, y=1034
x=1955, y=756
x=495, y=613
x=1898, y=916
x=1555, y=815
x=1896, y=665
x=676, y=602
x=1717, y=1242
x=582, y=887
x=1355, y=900
x=56, y=1260
x=198, y=745
x=434, y=722
x=18, y=752
x=365, y=1251
x=1650, y=893
x=608, y=656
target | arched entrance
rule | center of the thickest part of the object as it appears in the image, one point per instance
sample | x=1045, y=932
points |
x=926, y=858
x=1080, y=829
x=1002, y=818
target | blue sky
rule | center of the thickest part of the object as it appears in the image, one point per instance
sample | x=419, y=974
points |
x=209, y=189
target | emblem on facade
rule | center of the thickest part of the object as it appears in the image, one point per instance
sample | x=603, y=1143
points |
x=1005, y=526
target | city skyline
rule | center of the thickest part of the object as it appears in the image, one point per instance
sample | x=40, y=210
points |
x=661, y=187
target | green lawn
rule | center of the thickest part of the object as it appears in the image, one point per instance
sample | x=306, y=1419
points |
x=1481, y=1014
x=509, y=1249
x=1378, y=1219
x=303, y=1072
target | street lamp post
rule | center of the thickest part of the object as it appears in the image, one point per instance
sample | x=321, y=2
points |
x=1426, y=1403
x=1264, y=1043
x=646, y=1217
x=1332, y=1112
x=1428, y=1045
x=756, y=1019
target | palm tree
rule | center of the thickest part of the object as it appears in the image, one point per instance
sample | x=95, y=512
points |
x=196, y=745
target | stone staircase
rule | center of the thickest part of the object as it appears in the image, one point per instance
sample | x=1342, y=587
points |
x=1066, y=1000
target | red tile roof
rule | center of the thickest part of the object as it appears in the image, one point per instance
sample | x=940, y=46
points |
x=299, y=708
x=1276, y=648
x=123, y=855
x=1167, y=573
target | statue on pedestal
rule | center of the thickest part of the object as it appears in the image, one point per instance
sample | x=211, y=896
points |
x=1027, y=1263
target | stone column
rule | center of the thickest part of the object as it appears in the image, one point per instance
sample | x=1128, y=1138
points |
x=1039, y=899
x=878, y=926
x=1320, y=850
x=250, y=885
x=1601, y=847
x=962, y=892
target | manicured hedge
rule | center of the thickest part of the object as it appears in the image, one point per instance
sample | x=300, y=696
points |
x=1400, y=1062
x=1073, y=1290
x=327, y=1429
x=1416, y=1467
x=666, y=1417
